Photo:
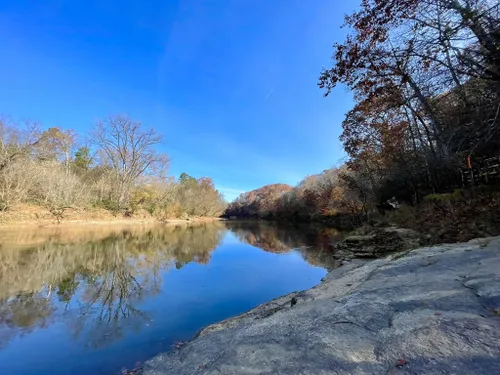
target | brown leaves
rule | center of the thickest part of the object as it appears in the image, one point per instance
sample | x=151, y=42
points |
x=260, y=202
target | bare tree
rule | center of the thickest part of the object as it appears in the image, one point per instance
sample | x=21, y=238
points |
x=17, y=142
x=119, y=167
x=16, y=181
x=58, y=190
x=129, y=150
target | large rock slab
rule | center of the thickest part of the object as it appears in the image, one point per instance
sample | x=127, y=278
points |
x=434, y=311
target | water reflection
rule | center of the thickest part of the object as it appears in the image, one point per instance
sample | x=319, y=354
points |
x=99, y=274
x=315, y=242
x=93, y=283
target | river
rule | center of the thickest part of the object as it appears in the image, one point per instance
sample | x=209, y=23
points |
x=94, y=300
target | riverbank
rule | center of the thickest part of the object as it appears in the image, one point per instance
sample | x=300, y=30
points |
x=434, y=311
x=36, y=216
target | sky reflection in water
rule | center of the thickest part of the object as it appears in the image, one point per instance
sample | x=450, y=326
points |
x=91, y=300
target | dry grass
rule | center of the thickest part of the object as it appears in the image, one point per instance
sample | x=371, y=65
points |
x=33, y=215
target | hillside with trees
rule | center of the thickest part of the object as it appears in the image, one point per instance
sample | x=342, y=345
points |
x=327, y=194
x=258, y=203
x=118, y=169
x=425, y=126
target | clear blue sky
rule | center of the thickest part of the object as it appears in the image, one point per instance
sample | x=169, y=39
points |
x=231, y=84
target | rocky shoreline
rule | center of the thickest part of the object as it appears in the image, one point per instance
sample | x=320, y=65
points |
x=376, y=243
x=434, y=311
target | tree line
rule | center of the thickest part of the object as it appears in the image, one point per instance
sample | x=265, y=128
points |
x=331, y=193
x=425, y=76
x=117, y=167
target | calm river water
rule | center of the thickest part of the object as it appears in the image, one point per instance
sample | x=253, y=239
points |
x=95, y=300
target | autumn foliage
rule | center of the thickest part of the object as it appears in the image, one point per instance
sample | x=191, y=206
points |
x=116, y=168
x=257, y=203
x=425, y=77
x=328, y=194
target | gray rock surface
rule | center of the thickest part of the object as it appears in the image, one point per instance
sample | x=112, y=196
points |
x=434, y=311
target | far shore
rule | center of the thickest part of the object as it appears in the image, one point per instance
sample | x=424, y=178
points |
x=102, y=222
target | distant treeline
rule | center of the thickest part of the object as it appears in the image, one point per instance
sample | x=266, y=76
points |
x=328, y=194
x=117, y=166
x=425, y=75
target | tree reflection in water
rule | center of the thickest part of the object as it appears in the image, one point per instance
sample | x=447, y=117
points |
x=94, y=279
x=22, y=314
x=313, y=241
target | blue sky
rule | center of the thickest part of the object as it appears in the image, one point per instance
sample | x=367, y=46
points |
x=231, y=84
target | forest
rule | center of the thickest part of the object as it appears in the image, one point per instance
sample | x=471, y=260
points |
x=116, y=168
x=425, y=124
